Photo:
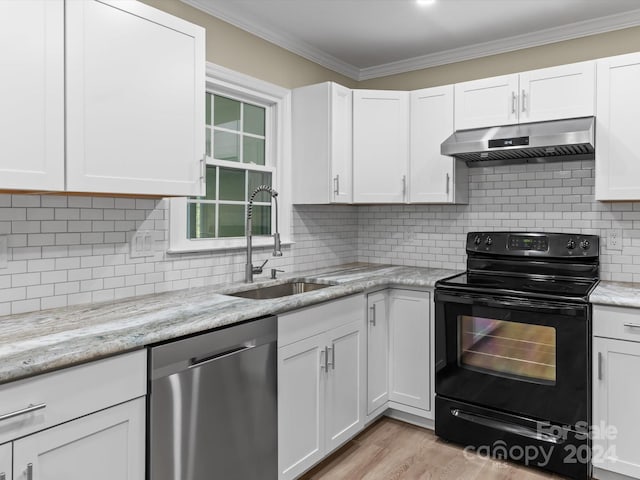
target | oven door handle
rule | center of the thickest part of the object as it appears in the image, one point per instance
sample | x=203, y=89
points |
x=494, y=302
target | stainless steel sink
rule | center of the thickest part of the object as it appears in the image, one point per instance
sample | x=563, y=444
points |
x=281, y=290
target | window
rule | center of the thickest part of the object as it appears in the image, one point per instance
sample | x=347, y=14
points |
x=244, y=131
x=237, y=162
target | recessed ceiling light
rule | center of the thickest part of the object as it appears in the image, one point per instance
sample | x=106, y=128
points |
x=425, y=2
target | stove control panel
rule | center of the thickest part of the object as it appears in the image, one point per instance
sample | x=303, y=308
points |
x=533, y=244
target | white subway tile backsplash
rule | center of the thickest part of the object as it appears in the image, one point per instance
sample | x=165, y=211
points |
x=74, y=250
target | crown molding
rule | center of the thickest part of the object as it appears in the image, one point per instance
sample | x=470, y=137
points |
x=510, y=44
x=287, y=42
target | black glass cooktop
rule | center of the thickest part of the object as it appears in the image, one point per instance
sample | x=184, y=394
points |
x=520, y=285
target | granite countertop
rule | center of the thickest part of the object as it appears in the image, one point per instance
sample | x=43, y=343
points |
x=37, y=342
x=621, y=294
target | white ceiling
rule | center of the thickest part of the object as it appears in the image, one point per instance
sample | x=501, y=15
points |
x=372, y=38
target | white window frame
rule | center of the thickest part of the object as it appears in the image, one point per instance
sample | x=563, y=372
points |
x=224, y=81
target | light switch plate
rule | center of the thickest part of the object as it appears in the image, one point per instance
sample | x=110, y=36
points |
x=141, y=244
x=4, y=251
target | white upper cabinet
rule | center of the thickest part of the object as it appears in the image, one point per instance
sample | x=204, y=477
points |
x=380, y=146
x=32, y=95
x=322, y=144
x=135, y=100
x=618, y=104
x=434, y=178
x=560, y=92
x=486, y=102
x=553, y=93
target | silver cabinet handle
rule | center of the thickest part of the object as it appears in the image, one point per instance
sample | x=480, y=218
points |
x=323, y=359
x=331, y=349
x=599, y=366
x=24, y=411
x=372, y=319
x=336, y=182
x=524, y=102
x=447, y=177
x=632, y=325
x=514, y=102
x=404, y=186
x=30, y=471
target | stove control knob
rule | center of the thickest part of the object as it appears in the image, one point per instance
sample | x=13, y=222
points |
x=477, y=240
x=571, y=244
x=488, y=241
x=584, y=244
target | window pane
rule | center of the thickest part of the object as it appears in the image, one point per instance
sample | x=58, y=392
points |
x=253, y=150
x=207, y=101
x=208, y=140
x=226, y=113
x=256, y=179
x=211, y=183
x=226, y=146
x=261, y=218
x=201, y=220
x=232, y=184
x=253, y=119
x=232, y=221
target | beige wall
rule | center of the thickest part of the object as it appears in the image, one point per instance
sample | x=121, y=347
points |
x=586, y=48
x=238, y=50
x=234, y=48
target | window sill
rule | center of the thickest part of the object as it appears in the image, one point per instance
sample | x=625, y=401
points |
x=261, y=243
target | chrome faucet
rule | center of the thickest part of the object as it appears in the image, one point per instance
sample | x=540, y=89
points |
x=250, y=270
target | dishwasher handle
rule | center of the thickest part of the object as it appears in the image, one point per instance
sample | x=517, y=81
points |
x=198, y=362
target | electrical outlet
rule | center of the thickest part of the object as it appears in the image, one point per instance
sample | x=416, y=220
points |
x=4, y=251
x=141, y=244
x=614, y=240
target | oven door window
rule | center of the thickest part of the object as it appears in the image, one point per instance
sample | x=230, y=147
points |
x=509, y=349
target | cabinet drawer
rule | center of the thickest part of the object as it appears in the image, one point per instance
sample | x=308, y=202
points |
x=306, y=322
x=622, y=323
x=71, y=393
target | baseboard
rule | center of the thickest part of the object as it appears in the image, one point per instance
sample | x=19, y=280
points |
x=406, y=417
x=600, y=474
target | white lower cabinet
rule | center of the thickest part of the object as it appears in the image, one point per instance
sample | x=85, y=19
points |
x=409, y=348
x=377, y=351
x=5, y=462
x=321, y=359
x=105, y=445
x=616, y=393
x=399, y=352
x=86, y=421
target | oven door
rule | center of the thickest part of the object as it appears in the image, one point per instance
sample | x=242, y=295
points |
x=525, y=357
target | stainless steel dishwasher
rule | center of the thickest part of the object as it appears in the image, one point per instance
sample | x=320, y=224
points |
x=213, y=405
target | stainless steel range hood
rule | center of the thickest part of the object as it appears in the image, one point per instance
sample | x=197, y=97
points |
x=572, y=139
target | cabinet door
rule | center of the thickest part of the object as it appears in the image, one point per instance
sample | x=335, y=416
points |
x=105, y=445
x=135, y=100
x=301, y=405
x=432, y=174
x=345, y=384
x=341, y=144
x=615, y=406
x=553, y=93
x=6, y=471
x=618, y=104
x=486, y=103
x=32, y=95
x=409, y=370
x=380, y=146
x=377, y=351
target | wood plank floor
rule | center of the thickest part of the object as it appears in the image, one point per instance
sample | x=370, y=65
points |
x=393, y=450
